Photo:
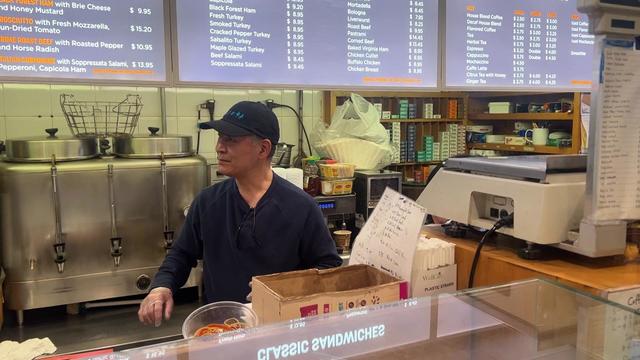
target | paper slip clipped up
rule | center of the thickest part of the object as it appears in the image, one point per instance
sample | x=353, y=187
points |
x=616, y=185
x=389, y=238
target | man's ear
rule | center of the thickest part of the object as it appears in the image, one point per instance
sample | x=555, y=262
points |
x=265, y=148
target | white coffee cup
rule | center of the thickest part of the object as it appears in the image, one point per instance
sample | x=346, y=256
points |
x=538, y=136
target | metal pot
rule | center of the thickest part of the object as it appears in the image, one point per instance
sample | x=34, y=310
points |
x=152, y=146
x=46, y=149
x=282, y=156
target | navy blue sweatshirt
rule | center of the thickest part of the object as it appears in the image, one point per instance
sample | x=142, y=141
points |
x=284, y=232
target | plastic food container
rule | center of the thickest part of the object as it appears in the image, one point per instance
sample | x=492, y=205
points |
x=495, y=139
x=483, y=129
x=500, y=108
x=337, y=171
x=337, y=187
x=218, y=313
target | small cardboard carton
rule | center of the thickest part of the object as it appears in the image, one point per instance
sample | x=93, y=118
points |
x=434, y=282
x=297, y=294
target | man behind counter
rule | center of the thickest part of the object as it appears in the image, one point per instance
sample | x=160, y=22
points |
x=254, y=223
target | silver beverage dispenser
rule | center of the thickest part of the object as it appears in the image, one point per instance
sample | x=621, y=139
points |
x=78, y=226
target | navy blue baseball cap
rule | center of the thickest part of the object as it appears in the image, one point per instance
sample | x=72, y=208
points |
x=247, y=118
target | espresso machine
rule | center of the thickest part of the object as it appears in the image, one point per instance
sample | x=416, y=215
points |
x=339, y=212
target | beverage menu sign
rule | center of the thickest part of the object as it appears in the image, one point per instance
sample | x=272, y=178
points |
x=518, y=44
x=88, y=40
x=308, y=42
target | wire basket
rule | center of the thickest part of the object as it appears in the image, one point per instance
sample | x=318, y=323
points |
x=101, y=118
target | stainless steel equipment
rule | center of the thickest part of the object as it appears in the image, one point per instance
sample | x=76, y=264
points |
x=116, y=241
x=62, y=239
x=42, y=149
x=101, y=118
x=369, y=186
x=152, y=145
x=282, y=155
x=338, y=211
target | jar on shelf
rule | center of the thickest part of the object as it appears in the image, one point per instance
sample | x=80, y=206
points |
x=311, y=178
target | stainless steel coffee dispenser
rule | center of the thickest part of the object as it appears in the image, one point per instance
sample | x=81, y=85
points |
x=77, y=226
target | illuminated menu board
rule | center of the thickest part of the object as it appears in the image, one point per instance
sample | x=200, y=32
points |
x=517, y=44
x=308, y=42
x=86, y=40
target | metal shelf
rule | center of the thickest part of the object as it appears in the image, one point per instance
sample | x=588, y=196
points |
x=523, y=148
x=416, y=163
x=523, y=116
x=387, y=121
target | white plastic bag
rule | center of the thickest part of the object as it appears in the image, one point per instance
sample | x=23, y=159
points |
x=357, y=118
x=355, y=135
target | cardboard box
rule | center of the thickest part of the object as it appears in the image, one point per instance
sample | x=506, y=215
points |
x=500, y=108
x=297, y=294
x=378, y=107
x=396, y=128
x=427, y=111
x=435, y=281
x=514, y=140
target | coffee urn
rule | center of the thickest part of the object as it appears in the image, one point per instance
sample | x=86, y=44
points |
x=79, y=226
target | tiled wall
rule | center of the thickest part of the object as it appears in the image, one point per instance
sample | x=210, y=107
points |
x=28, y=109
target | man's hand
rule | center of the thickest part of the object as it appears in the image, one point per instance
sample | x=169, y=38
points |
x=249, y=297
x=151, y=307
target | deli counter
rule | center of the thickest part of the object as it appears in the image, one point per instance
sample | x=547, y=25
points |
x=524, y=320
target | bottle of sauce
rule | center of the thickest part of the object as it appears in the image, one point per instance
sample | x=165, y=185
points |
x=311, y=178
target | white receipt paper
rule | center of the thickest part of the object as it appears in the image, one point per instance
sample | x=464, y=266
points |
x=617, y=189
x=389, y=238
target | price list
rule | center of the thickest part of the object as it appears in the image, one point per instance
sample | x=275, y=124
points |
x=416, y=36
x=549, y=45
x=303, y=42
x=295, y=35
x=519, y=26
x=106, y=40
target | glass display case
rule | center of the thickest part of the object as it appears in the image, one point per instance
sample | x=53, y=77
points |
x=533, y=319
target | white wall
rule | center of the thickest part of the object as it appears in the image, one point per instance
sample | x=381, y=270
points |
x=28, y=109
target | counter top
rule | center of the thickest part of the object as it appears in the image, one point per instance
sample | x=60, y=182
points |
x=501, y=265
x=114, y=327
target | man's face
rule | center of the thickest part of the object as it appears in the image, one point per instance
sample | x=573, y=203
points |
x=238, y=155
